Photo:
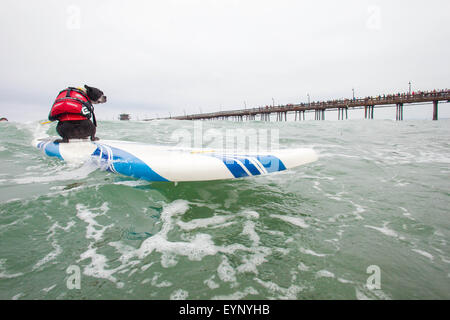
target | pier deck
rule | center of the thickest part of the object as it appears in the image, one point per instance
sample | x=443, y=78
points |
x=342, y=105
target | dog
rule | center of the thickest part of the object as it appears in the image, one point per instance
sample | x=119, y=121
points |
x=73, y=108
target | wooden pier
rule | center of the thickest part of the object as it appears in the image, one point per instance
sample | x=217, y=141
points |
x=369, y=104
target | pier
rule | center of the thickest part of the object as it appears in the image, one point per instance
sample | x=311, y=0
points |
x=320, y=107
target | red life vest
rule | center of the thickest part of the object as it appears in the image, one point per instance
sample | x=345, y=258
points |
x=71, y=104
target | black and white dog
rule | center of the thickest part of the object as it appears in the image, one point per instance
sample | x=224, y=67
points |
x=73, y=109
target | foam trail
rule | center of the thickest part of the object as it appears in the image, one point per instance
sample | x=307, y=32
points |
x=200, y=246
x=292, y=220
x=385, y=230
x=424, y=253
x=76, y=174
x=4, y=274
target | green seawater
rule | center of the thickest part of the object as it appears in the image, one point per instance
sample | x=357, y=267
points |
x=379, y=195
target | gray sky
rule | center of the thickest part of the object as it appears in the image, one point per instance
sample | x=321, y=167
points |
x=156, y=57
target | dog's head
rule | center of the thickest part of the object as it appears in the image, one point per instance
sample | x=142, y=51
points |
x=96, y=95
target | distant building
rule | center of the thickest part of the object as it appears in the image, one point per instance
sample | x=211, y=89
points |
x=124, y=116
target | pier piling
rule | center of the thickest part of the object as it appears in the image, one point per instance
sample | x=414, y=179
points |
x=341, y=113
x=435, y=110
x=399, y=113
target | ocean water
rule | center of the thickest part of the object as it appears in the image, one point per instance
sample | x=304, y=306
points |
x=368, y=220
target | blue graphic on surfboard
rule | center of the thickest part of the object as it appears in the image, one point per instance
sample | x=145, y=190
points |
x=165, y=163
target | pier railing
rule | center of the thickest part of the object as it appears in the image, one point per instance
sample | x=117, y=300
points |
x=319, y=107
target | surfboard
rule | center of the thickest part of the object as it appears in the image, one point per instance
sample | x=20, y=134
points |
x=168, y=163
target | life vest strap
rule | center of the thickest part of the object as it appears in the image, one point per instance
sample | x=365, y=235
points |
x=84, y=103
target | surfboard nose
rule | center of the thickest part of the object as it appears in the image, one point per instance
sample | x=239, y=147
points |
x=297, y=157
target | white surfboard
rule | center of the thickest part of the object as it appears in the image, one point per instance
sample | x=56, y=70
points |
x=166, y=163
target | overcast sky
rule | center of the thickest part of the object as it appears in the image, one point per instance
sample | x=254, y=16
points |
x=155, y=57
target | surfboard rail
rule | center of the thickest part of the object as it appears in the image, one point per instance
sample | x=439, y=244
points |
x=166, y=163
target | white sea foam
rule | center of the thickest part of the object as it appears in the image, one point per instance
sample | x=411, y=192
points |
x=252, y=261
x=225, y=271
x=212, y=206
x=57, y=250
x=406, y=213
x=297, y=221
x=360, y=295
x=211, y=283
x=200, y=245
x=342, y=280
x=132, y=183
x=4, y=274
x=257, y=255
x=340, y=233
x=324, y=274
x=311, y=252
x=359, y=209
x=132, y=272
x=334, y=197
x=168, y=259
x=49, y=288
x=50, y=256
x=238, y=295
x=283, y=251
x=302, y=267
x=19, y=220
x=232, y=198
x=126, y=252
x=162, y=284
x=195, y=247
x=249, y=230
x=250, y=214
x=285, y=293
x=223, y=225
x=145, y=267
x=18, y=296
x=424, y=253
x=202, y=223
x=68, y=173
x=363, y=293
x=385, y=230
x=98, y=266
x=94, y=230
x=316, y=186
x=444, y=259
x=179, y=294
